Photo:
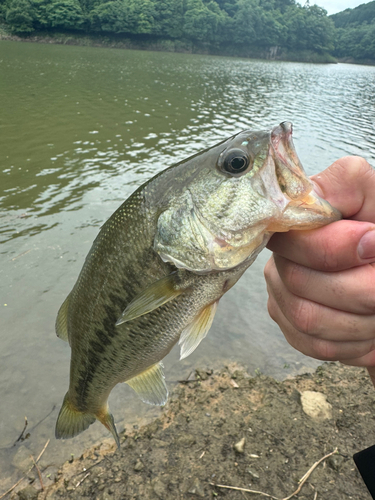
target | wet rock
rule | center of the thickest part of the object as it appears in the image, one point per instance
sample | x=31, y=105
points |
x=196, y=488
x=28, y=493
x=138, y=466
x=22, y=459
x=316, y=405
x=239, y=447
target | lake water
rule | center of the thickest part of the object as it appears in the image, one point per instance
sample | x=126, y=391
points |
x=80, y=129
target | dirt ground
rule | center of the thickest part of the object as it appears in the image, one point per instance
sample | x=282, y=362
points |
x=234, y=430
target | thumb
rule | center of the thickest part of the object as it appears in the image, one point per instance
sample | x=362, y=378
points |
x=349, y=185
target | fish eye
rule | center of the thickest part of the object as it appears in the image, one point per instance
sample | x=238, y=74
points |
x=235, y=161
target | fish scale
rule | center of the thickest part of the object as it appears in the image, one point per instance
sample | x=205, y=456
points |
x=161, y=263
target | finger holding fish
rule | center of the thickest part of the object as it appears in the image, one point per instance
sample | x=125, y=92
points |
x=308, y=300
x=321, y=283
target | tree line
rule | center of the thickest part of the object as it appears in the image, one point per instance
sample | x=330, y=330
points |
x=355, y=32
x=216, y=23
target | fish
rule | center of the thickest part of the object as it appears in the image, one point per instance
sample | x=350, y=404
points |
x=160, y=264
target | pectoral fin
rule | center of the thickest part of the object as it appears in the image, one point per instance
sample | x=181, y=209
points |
x=150, y=385
x=154, y=296
x=61, y=325
x=197, y=330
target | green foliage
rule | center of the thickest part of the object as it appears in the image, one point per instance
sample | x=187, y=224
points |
x=355, y=33
x=356, y=42
x=168, y=18
x=234, y=26
x=309, y=28
x=254, y=25
x=202, y=22
x=19, y=16
x=24, y=16
x=65, y=14
x=363, y=14
x=124, y=16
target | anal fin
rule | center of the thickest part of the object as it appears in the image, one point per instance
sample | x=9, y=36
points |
x=61, y=325
x=150, y=385
x=194, y=333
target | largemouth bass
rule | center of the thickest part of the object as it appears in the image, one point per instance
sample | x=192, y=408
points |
x=161, y=263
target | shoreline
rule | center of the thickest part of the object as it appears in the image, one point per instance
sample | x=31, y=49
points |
x=179, y=46
x=169, y=45
x=230, y=429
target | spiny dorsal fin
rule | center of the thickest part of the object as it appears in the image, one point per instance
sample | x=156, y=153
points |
x=197, y=330
x=150, y=385
x=154, y=296
x=61, y=325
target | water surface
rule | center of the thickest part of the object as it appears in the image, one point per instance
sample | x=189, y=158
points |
x=80, y=129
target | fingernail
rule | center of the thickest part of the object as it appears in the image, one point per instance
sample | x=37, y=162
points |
x=366, y=245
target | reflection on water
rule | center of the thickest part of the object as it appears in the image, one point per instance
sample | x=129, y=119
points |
x=80, y=129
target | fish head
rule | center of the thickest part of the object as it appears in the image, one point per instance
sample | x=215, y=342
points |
x=233, y=197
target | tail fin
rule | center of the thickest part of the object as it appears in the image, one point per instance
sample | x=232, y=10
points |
x=107, y=420
x=71, y=421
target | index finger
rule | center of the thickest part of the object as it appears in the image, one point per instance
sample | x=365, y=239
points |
x=349, y=185
x=330, y=248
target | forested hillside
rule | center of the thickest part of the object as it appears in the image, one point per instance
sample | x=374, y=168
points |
x=238, y=27
x=355, y=32
x=257, y=23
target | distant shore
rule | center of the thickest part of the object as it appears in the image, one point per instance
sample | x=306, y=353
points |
x=227, y=431
x=168, y=45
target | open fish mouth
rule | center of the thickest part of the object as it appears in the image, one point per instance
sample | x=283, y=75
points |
x=296, y=185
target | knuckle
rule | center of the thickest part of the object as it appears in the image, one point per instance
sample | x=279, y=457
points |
x=303, y=316
x=352, y=167
x=328, y=257
x=324, y=350
x=297, y=278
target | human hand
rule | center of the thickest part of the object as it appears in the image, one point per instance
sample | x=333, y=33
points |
x=321, y=283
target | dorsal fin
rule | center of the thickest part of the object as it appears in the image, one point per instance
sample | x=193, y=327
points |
x=197, y=330
x=61, y=325
x=154, y=296
x=150, y=385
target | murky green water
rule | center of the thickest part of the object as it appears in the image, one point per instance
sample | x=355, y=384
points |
x=80, y=129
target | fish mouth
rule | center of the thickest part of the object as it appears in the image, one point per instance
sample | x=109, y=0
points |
x=289, y=170
x=306, y=209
